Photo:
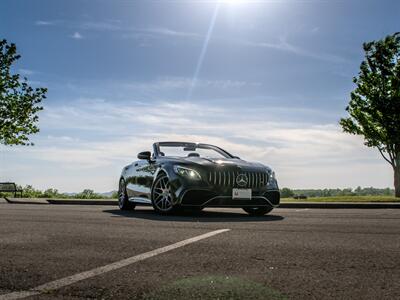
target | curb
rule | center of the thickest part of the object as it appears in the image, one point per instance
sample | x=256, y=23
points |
x=82, y=202
x=40, y=202
x=338, y=205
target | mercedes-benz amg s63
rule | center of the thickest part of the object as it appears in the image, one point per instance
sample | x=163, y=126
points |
x=179, y=175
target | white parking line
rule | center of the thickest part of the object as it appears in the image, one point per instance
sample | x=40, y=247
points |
x=302, y=209
x=56, y=284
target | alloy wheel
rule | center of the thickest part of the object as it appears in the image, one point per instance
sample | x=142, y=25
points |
x=162, y=194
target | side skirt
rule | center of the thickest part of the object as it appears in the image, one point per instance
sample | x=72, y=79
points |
x=140, y=200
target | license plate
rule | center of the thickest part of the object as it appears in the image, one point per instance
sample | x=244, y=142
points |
x=241, y=194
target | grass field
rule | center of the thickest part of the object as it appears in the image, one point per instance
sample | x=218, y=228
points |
x=345, y=199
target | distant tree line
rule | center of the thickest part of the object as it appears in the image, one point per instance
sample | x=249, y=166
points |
x=359, y=191
x=30, y=192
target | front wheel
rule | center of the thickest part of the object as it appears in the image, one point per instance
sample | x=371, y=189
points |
x=257, y=211
x=123, y=201
x=162, y=196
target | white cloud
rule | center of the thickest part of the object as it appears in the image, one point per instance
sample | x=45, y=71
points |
x=284, y=45
x=45, y=23
x=77, y=36
x=128, y=31
x=144, y=34
x=169, y=32
x=171, y=83
x=101, y=26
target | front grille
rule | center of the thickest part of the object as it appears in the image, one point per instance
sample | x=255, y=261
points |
x=228, y=178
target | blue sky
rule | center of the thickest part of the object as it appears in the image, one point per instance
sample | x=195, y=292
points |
x=272, y=83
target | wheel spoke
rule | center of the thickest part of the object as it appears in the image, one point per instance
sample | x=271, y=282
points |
x=157, y=202
x=163, y=203
x=157, y=193
x=166, y=183
x=162, y=183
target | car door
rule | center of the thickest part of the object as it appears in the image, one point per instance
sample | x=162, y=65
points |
x=141, y=179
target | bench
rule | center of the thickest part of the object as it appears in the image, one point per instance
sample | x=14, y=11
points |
x=10, y=187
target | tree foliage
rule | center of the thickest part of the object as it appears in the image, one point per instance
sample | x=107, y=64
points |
x=374, y=106
x=30, y=192
x=286, y=193
x=359, y=191
x=19, y=102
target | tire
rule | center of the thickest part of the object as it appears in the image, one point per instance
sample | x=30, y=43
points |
x=162, y=196
x=123, y=201
x=257, y=211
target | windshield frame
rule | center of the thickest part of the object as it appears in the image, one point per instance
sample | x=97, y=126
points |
x=156, y=148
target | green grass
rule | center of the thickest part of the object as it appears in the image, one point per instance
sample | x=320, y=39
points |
x=345, y=199
x=213, y=287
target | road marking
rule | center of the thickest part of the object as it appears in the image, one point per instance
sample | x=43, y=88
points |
x=302, y=209
x=59, y=283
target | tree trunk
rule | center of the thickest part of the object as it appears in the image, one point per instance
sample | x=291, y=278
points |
x=397, y=181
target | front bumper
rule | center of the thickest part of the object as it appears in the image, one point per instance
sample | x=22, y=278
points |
x=203, y=198
x=202, y=194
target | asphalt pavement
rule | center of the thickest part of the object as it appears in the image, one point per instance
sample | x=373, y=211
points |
x=99, y=252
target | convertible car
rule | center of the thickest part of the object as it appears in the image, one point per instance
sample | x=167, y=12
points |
x=178, y=175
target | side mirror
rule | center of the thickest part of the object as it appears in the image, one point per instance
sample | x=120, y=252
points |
x=144, y=155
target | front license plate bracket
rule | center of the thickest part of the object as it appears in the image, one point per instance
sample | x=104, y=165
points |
x=241, y=194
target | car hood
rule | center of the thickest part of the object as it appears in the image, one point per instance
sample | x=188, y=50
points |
x=220, y=163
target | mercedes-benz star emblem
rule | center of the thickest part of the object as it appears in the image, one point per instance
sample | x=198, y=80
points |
x=242, y=180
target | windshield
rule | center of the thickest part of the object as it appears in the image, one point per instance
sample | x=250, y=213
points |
x=192, y=150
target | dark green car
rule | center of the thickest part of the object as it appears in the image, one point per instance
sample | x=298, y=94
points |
x=193, y=175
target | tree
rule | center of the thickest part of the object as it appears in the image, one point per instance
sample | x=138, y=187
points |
x=286, y=193
x=19, y=102
x=374, y=106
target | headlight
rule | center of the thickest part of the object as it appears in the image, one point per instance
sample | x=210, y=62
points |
x=271, y=177
x=186, y=172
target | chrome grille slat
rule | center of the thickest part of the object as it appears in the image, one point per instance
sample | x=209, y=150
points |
x=250, y=176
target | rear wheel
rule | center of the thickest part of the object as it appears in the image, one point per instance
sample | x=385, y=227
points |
x=257, y=211
x=123, y=201
x=162, y=196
